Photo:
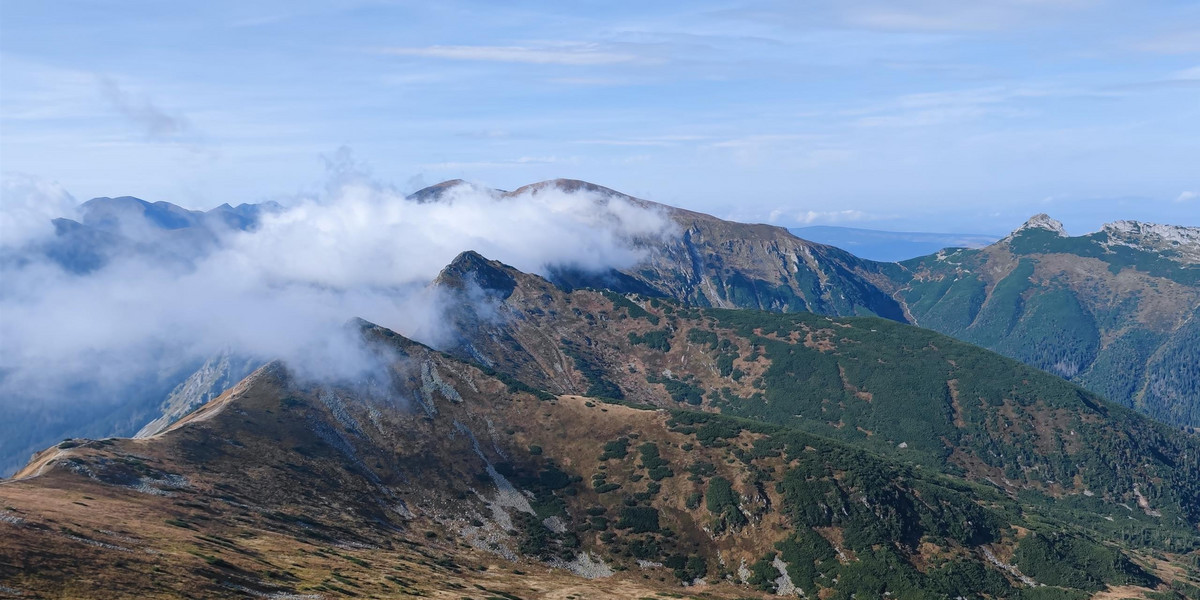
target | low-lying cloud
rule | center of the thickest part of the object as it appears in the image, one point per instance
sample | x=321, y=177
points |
x=29, y=204
x=284, y=289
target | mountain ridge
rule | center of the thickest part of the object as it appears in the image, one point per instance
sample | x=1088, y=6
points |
x=435, y=474
x=720, y=263
x=598, y=349
x=1117, y=317
x=1142, y=361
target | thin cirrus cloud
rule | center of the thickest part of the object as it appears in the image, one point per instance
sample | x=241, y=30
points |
x=810, y=217
x=941, y=16
x=831, y=216
x=155, y=122
x=567, y=54
x=1192, y=74
x=919, y=16
x=523, y=161
x=1173, y=42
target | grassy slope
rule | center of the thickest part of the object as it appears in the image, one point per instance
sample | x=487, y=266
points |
x=280, y=486
x=899, y=391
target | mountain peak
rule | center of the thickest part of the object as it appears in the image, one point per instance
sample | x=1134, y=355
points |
x=569, y=186
x=110, y=213
x=1179, y=240
x=1042, y=221
x=118, y=200
x=470, y=267
x=438, y=191
x=434, y=192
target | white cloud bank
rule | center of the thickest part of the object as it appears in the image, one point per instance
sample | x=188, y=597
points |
x=284, y=290
x=27, y=205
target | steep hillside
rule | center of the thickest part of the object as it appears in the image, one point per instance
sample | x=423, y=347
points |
x=713, y=262
x=216, y=375
x=1114, y=310
x=437, y=478
x=900, y=391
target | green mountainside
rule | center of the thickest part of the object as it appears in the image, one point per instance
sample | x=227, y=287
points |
x=1112, y=311
x=897, y=390
x=713, y=262
x=601, y=445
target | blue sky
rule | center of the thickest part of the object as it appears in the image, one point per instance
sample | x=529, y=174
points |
x=931, y=115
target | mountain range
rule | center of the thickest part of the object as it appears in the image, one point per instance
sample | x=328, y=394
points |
x=1112, y=310
x=742, y=412
x=599, y=444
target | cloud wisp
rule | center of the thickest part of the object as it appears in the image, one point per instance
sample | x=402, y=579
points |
x=818, y=217
x=27, y=206
x=574, y=54
x=1172, y=42
x=154, y=122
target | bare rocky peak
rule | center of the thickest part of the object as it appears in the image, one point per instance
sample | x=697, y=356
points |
x=470, y=269
x=1042, y=221
x=1182, y=242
